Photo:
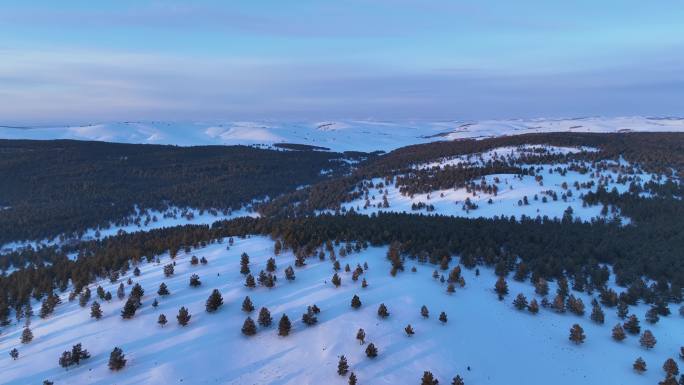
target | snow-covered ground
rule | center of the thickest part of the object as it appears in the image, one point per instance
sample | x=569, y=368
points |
x=501, y=345
x=352, y=135
x=149, y=220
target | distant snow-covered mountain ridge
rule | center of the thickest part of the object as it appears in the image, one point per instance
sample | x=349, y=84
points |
x=347, y=135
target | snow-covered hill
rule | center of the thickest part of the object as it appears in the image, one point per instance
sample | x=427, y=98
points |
x=486, y=341
x=352, y=135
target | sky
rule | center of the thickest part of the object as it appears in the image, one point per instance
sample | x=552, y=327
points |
x=87, y=61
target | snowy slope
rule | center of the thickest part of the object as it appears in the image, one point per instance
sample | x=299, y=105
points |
x=337, y=135
x=501, y=345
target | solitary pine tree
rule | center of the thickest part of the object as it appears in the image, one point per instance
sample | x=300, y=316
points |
x=382, y=311
x=309, y=318
x=130, y=307
x=155, y=303
x=632, y=325
x=520, y=302
x=168, y=270
x=618, y=333
x=249, y=327
x=14, y=353
x=639, y=365
x=65, y=360
x=163, y=289
x=121, y=291
x=371, y=351
x=244, y=264
x=443, y=317
x=361, y=336
x=95, y=310
x=577, y=334
x=409, y=330
x=284, y=326
x=428, y=379
x=597, y=313
x=342, y=366
x=336, y=280
x=249, y=281
x=26, y=336
x=271, y=265
x=195, y=280
x=501, y=287
x=457, y=381
x=364, y=283
x=352, y=379
x=214, y=301
x=670, y=367
x=356, y=302
x=183, y=316
x=265, y=319
x=647, y=340
x=289, y=273
x=162, y=320
x=117, y=360
x=424, y=311
x=247, y=305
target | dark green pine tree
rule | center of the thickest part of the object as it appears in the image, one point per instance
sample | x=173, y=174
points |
x=183, y=316
x=520, y=302
x=632, y=325
x=309, y=318
x=284, y=326
x=129, y=309
x=597, y=313
x=382, y=311
x=163, y=289
x=352, y=378
x=424, y=312
x=249, y=327
x=195, y=281
x=371, y=351
x=117, y=360
x=78, y=354
x=443, y=317
x=249, y=281
x=457, y=381
x=409, y=330
x=361, y=336
x=14, y=353
x=356, y=302
x=271, y=265
x=247, y=305
x=26, y=335
x=137, y=291
x=214, y=301
x=342, y=366
x=501, y=287
x=265, y=319
x=622, y=309
x=428, y=379
x=244, y=264
x=65, y=360
x=289, y=273
x=95, y=310
x=162, y=320
x=336, y=280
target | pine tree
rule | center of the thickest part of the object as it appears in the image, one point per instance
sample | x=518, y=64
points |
x=639, y=365
x=117, y=360
x=309, y=318
x=559, y=304
x=249, y=281
x=155, y=303
x=457, y=381
x=183, y=316
x=108, y=296
x=597, y=313
x=652, y=316
x=371, y=351
x=501, y=287
x=121, y=291
x=364, y=284
x=214, y=301
x=428, y=379
x=315, y=309
x=129, y=309
x=14, y=353
x=361, y=336
x=168, y=270
x=342, y=366
x=26, y=336
x=249, y=327
x=162, y=320
x=137, y=291
x=194, y=260
x=451, y=288
x=163, y=289
x=95, y=311
x=520, y=302
x=577, y=334
x=247, y=305
x=136, y=271
x=632, y=325
x=618, y=333
x=289, y=273
x=647, y=339
x=244, y=264
x=541, y=287
x=409, y=330
x=284, y=326
x=424, y=311
x=622, y=309
x=443, y=317
x=352, y=378
x=336, y=280
x=382, y=311
x=65, y=360
x=533, y=306
x=670, y=367
x=195, y=281
x=271, y=265
x=78, y=354
x=356, y=302
x=84, y=297
x=265, y=319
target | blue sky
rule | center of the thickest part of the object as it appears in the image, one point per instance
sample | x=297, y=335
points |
x=80, y=61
